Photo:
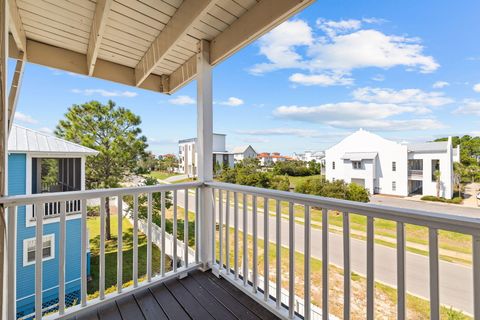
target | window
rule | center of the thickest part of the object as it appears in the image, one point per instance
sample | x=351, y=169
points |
x=394, y=185
x=48, y=249
x=394, y=166
x=435, y=170
x=333, y=165
x=357, y=164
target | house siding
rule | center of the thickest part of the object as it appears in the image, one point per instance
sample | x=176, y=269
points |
x=25, y=288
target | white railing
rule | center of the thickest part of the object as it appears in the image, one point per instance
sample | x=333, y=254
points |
x=244, y=217
x=67, y=201
x=415, y=173
x=236, y=217
x=52, y=209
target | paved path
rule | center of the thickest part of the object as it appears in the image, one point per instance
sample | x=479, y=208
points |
x=456, y=287
x=176, y=178
x=447, y=208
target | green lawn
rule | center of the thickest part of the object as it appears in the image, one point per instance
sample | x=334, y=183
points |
x=161, y=175
x=296, y=180
x=93, y=224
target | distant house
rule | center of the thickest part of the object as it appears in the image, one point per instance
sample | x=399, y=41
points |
x=40, y=163
x=307, y=156
x=267, y=159
x=243, y=152
x=187, y=154
x=388, y=167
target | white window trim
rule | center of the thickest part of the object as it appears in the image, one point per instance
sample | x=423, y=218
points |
x=45, y=237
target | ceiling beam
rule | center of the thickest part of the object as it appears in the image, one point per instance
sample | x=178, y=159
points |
x=16, y=26
x=96, y=33
x=186, y=15
x=71, y=61
x=15, y=89
x=254, y=23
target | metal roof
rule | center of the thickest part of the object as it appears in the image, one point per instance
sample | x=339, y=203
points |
x=30, y=141
x=242, y=149
x=440, y=146
x=151, y=44
x=358, y=156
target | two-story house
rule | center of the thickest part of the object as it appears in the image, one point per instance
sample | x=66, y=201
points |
x=40, y=163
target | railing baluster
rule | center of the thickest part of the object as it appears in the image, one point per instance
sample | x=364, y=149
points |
x=164, y=226
x=434, y=274
x=61, y=260
x=11, y=261
x=307, y=269
x=197, y=226
x=101, y=268
x=214, y=228
x=266, y=250
x=476, y=275
x=235, y=234
x=119, y=243
x=149, y=236
x=227, y=233
x=83, y=258
x=185, y=229
x=346, y=266
x=175, y=231
x=278, y=247
x=135, y=240
x=245, y=241
x=255, y=245
x=291, y=261
x=370, y=269
x=401, y=305
x=220, y=229
x=325, y=263
x=39, y=213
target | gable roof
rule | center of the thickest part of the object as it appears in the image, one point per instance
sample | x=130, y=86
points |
x=22, y=139
x=242, y=149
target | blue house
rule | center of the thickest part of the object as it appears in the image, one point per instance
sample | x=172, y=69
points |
x=39, y=163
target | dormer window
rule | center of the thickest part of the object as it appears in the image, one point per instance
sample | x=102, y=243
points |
x=357, y=164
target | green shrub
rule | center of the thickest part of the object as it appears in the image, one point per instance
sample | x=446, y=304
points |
x=456, y=200
x=333, y=189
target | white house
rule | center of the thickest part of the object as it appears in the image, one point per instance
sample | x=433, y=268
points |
x=243, y=152
x=388, y=167
x=188, y=158
x=307, y=156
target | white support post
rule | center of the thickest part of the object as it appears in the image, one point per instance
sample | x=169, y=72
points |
x=204, y=150
x=4, y=21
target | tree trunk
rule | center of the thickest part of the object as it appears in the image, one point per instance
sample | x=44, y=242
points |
x=108, y=236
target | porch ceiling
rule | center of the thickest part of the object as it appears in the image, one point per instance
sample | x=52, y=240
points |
x=150, y=44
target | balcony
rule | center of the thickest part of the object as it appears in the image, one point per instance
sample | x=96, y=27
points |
x=415, y=174
x=227, y=244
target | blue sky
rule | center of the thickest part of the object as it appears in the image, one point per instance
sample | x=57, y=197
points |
x=408, y=70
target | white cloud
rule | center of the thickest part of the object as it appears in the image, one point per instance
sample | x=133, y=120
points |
x=390, y=125
x=106, y=93
x=475, y=133
x=409, y=97
x=343, y=47
x=323, y=80
x=279, y=46
x=281, y=132
x=25, y=118
x=182, y=100
x=476, y=87
x=469, y=106
x=232, y=102
x=440, y=84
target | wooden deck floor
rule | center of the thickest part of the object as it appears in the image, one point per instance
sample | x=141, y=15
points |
x=199, y=296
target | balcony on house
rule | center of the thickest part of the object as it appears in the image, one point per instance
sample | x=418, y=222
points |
x=415, y=169
x=218, y=268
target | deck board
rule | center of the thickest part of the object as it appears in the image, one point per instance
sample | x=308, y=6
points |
x=198, y=296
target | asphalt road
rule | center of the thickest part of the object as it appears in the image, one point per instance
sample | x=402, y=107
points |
x=426, y=206
x=456, y=287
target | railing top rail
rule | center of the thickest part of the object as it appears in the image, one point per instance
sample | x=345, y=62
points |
x=11, y=201
x=436, y=220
